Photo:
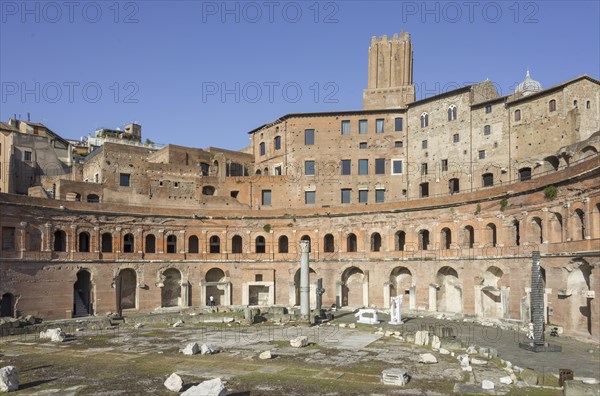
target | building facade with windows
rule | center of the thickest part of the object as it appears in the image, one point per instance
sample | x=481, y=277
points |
x=441, y=200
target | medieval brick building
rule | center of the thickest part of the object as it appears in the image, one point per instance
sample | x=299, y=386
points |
x=441, y=199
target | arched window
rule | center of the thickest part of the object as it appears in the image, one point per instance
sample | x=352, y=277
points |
x=580, y=223
x=552, y=105
x=537, y=235
x=236, y=244
x=60, y=241
x=215, y=244
x=260, y=244
x=517, y=115
x=400, y=240
x=171, y=244
x=452, y=113
x=454, y=185
x=150, y=244
x=351, y=245
x=469, y=237
x=208, y=190
x=84, y=242
x=128, y=245
x=524, y=174
x=193, y=244
x=282, y=244
x=93, y=198
x=329, y=243
x=490, y=230
x=445, y=238
x=424, y=120
x=262, y=148
x=375, y=242
x=423, y=240
x=487, y=179
x=106, y=242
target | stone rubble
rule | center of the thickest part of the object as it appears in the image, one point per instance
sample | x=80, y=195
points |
x=207, y=349
x=191, y=349
x=427, y=358
x=299, y=342
x=174, y=383
x=213, y=387
x=487, y=385
x=54, y=335
x=395, y=376
x=9, y=379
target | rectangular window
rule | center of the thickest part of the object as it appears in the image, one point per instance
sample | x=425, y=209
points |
x=363, y=196
x=481, y=154
x=398, y=124
x=424, y=168
x=346, y=195
x=363, y=166
x=346, y=167
x=487, y=130
x=362, y=126
x=309, y=197
x=8, y=238
x=309, y=168
x=124, y=179
x=27, y=156
x=444, y=165
x=424, y=144
x=380, y=166
x=380, y=195
x=262, y=148
x=309, y=137
x=379, y=125
x=345, y=127
x=362, y=145
x=266, y=197
x=488, y=109
x=424, y=190
x=455, y=138
x=277, y=142
x=396, y=167
x=234, y=194
x=398, y=143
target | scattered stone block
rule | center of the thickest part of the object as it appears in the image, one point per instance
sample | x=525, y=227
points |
x=352, y=326
x=179, y=323
x=342, y=325
x=478, y=362
x=54, y=335
x=9, y=379
x=395, y=376
x=174, y=383
x=506, y=380
x=427, y=358
x=464, y=360
x=487, y=385
x=577, y=388
x=265, y=355
x=471, y=350
x=207, y=349
x=444, y=351
x=422, y=337
x=138, y=325
x=191, y=349
x=435, y=342
x=299, y=342
x=388, y=333
x=530, y=377
x=213, y=387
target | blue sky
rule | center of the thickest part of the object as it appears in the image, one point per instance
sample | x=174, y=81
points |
x=205, y=73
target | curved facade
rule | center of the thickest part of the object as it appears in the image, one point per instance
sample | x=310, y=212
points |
x=391, y=200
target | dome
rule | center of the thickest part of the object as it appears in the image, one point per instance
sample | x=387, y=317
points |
x=528, y=86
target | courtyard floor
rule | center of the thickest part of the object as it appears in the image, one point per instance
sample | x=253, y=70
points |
x=339, y=360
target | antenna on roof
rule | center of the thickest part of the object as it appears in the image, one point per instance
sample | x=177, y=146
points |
x=28, y=117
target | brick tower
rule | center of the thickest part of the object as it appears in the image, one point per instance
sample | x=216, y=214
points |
x=390, y=73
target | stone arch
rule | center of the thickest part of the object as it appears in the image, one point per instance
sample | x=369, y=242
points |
x=468, y=237
x=491, y=235
x=537, y=233
x=401, y=281
x=172, y=243
x=551, y=163
x=208, y=190
x=400, y=241
x=237, y=244
x=170, y=294
x=82, y=294
x=7, y=305
x=491, y=294
x=449, y=291
x=312, y=276
x=127, y=288
x=214, y=244
x=128, y=243
x=445, y=238
x=579, y=281
x=106, y=242
x=217, y=284
x=60, y=241
x=555, y=227
x=329, y=243
x=150, y=246
x=423, y=238
x=93, y=198
x=260, y=244
x=588, y=151
x=351, y=243
x=375, y=242
x=353, y=287
x=578, y=224
x=193, y=244
x=83, y=244
x=283, y=244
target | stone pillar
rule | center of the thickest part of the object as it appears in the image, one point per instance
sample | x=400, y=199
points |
x=587, y=214
x=386, y=295
x=338, y=294
x=185, y=293
x=23, y=238
x=183, y=242
x=504, y=298
x=73, y=244
x=304, y=281
x=292, y=293
x=365, y=289
x=49, y=238
x=433, y=298
x=412, y=300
